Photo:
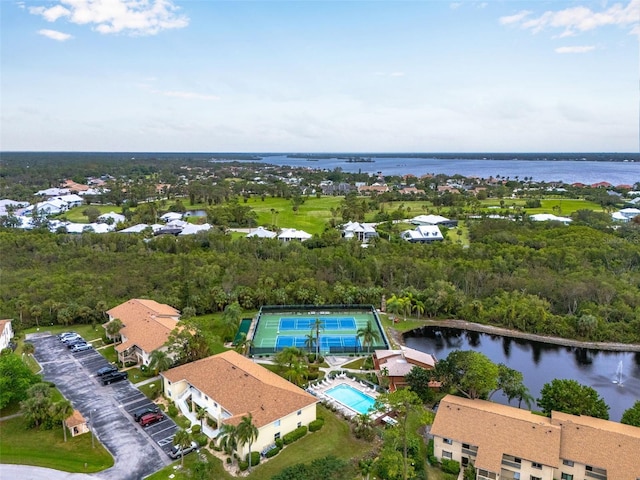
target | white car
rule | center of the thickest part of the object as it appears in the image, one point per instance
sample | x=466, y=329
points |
x=176, y=451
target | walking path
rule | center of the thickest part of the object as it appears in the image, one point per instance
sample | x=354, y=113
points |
x=28, y=472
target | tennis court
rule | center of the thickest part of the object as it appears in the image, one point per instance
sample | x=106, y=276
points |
x=281, y=327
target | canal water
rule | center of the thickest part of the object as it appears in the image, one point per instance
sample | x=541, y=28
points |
x=614, y=375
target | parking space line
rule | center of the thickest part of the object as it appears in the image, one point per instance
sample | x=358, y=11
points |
x=163, y=430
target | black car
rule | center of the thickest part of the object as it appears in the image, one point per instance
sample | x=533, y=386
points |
x=141, y=412
x=113, y=377
x=105, y=370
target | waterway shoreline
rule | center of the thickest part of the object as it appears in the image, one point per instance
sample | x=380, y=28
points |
x=398, y=336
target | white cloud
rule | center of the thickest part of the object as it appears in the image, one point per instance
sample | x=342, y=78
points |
x=186, y=95
x=579, y=19
x=134, y=17
x=55, y=35
x=455, y=5
x=576, y=49
x=397, y=74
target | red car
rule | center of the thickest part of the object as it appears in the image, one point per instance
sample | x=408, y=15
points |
x=151, y=418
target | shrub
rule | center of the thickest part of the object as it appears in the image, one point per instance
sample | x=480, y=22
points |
x=297, y=434
x=273, y=452
x=201, y=439
x=450, y=466
x=279, y=443
x=242, y=465
x=316, y=424
x=172, y=410
x=212, y=423
x=196, y=429
x=255, y=458
x=449, y=476
x=162, y=407
x=229, y=460
x=312, y=375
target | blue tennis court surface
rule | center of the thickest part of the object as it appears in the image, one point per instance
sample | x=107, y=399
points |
x=325, y=341
x=328, y=323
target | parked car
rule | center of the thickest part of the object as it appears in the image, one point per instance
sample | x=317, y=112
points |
x=151, y=418
x=176, y=450
x=78, y=341
x=108, y=369
x=62, y=335
x=71, y=338
x=141, y=412
x=113, y=377
x=81, y=347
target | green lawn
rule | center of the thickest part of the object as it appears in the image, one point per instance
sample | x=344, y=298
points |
x=312, y=216
x=334, y=438
x=46, y=448
x=75, y=214
x=85, y=331
x=109, y=353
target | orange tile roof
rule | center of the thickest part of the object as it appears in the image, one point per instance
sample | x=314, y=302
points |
x=241, y=387
x=493, y=427
x=3, y=323
x=147, y=323
x=75, y=419
x=600, y=443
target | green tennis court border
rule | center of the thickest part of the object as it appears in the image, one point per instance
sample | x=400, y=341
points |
x=266, y=332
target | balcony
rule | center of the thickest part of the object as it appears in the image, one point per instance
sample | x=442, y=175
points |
x=596, y=475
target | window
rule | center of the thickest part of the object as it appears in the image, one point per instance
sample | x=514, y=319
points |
x=465, y=445
x=566, y=476
x=446, y=454
x=299, y=412
x=536, y=465
x=535, y=478
x=169, y=392
x=206, y=398
x=299, y=424
x=568, y=463
x=448, y=441
x=276, y=423
x=276, y=436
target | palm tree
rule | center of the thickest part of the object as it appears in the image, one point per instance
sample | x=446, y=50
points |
x=160, y=361
x=296, y=372
x=369, y=334
x=247, y=432
x=231, y=319
x=61, y=411
x=317, y=325
x=36, y=312
x=309, y=340
x=113, y=327
x=182, y=439
x=228, y=438
x=244, y=344
x=201, y=414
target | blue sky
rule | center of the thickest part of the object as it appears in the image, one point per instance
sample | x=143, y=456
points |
x=318, y=76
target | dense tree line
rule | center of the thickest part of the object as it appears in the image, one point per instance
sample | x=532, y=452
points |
x=572, y=281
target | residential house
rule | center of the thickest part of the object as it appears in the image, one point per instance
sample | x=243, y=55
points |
x=601, y=185
x=6, y=334
x=147, y=326
x=75, y=186
x=52, y=192
x=507, y=443
x=171, y=216
x=192, y=228
x=434, y=220
x=71, y=200
x=7, y=206
x=291, y=234
x=396, y=364
x=548, y=217
x=362, y=231
x=375, y=188
x=230, y=386
x=112, y=218
x=410, y=191
x=76, y=424
x=262, y=232
x=423, y=234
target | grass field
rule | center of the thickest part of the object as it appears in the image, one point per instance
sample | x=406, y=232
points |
x=75, y=214
x=46, y=448
x=312, y=216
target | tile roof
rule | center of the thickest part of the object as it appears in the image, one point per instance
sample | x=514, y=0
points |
x=3, y=323
x=600, y=443
x=241, y=387
x=75, y=419
x=493, y=428
x=147, y=323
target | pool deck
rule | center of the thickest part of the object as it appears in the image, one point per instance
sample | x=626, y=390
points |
x=319, y=390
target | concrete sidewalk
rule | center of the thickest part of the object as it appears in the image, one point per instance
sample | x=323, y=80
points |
x=27, y=472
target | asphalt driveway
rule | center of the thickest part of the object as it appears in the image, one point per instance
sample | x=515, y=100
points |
x=136, y=452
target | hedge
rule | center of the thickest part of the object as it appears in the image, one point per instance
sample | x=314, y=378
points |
x=273, y=452
x=450, y=466
x=195, y=429
x=243, y=465
x=297, y=434
x=316, y=424
x=201, y=439
x=255, y=458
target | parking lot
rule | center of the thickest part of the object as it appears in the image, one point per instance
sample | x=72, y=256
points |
x=137, y=451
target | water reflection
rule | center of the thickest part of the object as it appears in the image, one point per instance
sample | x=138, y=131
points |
x=542, y=362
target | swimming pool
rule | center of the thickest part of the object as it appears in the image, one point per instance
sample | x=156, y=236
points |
x=352, y=398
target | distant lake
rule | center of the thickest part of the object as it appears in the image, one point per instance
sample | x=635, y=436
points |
x=567, y=171
x=542, y=362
